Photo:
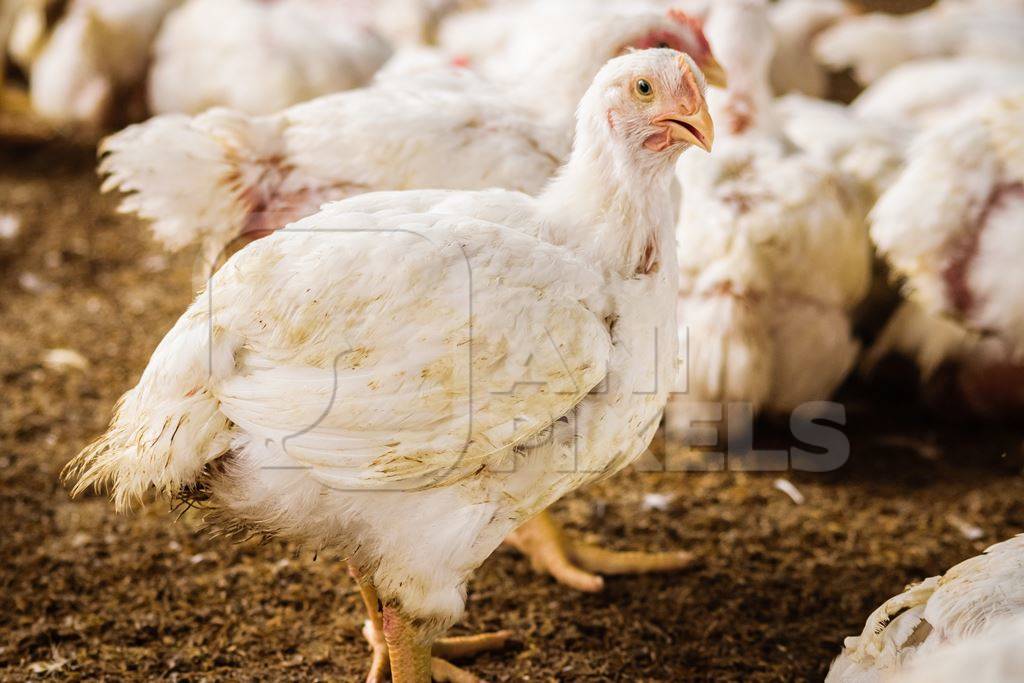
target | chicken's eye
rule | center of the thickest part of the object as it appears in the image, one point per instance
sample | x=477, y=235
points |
x=663, y=44
x=643, y=88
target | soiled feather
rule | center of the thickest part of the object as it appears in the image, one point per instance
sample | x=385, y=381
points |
x=969, y=599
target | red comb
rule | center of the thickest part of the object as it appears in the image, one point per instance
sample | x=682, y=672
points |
x=694, y=23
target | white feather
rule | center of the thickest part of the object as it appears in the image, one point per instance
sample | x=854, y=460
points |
x=928, y=619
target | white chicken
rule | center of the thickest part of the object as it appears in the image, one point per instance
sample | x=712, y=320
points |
x=408, y=376
x=929, y=91
x=260, y=57
x=873, y=44
x=223, y=175
x=411, y=23
x=91, y=67
x=545, y=49
x=797, y=24
x=774, y=254
x=978, y=597
x=950, y=227
x=869, y=149
x=25, y=26
x=992, y=656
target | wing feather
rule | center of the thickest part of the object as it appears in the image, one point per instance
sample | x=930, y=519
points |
x=405, y=350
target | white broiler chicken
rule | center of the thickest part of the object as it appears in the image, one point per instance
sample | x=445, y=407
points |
x=774, y=255
x=869, y=149
x=225, y=176
x=950, y=227
x=797, y=24
x=544, y=49
x=412, y=23
x=408, y=377
x=875, y=43
x=980, y=596
x=991, y=656
x=260, y=57
x=929, y=91
x=90, y=69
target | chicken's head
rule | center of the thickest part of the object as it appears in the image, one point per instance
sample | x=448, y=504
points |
x=677, y=31
x=652, y=102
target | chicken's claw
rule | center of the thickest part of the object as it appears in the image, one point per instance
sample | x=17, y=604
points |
x=579, y=565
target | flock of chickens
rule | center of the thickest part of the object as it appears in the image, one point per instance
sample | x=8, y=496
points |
x=383, y=334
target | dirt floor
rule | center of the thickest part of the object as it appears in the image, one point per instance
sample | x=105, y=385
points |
x=89, y=594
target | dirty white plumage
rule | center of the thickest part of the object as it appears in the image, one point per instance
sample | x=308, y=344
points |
x=977, y=597
x=419, y=365
x=950, y=228
x=950, y=224
x=260, y=57
x=776, y=254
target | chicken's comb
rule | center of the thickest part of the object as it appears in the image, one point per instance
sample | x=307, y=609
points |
x=696, y=24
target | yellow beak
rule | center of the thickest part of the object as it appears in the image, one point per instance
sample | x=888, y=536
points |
x=714, y=73
x=696, y=129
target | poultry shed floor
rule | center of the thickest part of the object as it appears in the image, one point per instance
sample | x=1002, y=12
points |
x=87, y=593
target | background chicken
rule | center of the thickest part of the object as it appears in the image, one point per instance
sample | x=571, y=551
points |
x=774, y=251
x=410, y=23
x=225, y=175
x=260, y=57
x=869, y=149
x=873, y=44
x=13, y=100
x=321, y=314
x=797, y=23
x=978, y=597
x=930, y=91
x=950, y=227
x=90, y=68
x=547, y=48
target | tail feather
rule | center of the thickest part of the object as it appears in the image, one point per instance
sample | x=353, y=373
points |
x=198, y=179
x=169, y=426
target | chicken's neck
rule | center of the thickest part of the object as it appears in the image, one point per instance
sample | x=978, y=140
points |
x=614, y=208
x=745, y=110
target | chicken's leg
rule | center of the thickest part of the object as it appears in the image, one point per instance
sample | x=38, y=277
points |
x=373, y=630
x=410, y=652
x=455, y=647
x=408, y=649
x=577, y=564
